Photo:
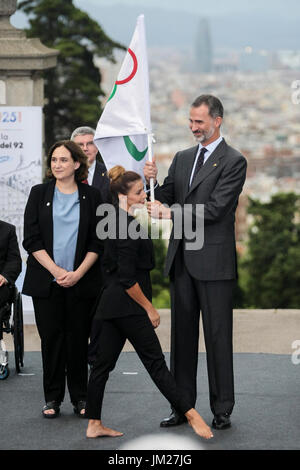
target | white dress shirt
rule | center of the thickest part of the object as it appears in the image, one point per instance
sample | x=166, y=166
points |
x=210, y=148
x=91, y=173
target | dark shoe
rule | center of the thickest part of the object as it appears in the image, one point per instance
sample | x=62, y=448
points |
x=51, y=405
x=79, y=407
x=173, y=420
x=221, y=421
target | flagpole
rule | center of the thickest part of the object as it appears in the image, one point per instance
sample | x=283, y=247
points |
x=150, y=158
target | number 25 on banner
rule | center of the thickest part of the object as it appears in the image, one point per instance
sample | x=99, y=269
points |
x=11, y=116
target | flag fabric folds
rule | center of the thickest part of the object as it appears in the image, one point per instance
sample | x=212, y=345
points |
x=123, y=128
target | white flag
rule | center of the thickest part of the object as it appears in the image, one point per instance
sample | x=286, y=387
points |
x=123, y=128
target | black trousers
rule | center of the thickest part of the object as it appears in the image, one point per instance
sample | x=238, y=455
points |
x=94, y=339
x=139, y=331
x=5, y=294
x=214, y=299
x=63, y=322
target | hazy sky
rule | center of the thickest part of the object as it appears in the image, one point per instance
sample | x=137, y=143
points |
x=284, y=8
x=263, y=24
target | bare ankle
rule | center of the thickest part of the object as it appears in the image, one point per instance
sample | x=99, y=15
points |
x=94, y=422
x=191, y=413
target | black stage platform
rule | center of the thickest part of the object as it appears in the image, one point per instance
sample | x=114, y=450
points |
x=266, y=415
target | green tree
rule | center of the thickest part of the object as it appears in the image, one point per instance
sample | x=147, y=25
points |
x=273, y=259
x=160, y=283
x=73, y=87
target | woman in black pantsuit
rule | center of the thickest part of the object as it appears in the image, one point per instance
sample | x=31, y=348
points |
x=63, y=273
x=126, y=310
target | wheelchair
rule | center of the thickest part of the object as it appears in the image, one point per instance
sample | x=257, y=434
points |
x=11, y=321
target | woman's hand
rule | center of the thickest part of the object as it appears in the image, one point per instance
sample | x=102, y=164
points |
x=157, y=210
x=3, y=280
x=136, y=293
x=69, y=279
x=154, y=316
x=58, y=272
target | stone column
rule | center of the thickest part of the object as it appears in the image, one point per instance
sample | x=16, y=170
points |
x=22, y=62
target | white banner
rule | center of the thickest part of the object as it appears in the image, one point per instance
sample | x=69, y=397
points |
x=20, y=160
x=20, y=164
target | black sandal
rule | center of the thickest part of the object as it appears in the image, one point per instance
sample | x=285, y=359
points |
x=80, y=405
x=51, y=405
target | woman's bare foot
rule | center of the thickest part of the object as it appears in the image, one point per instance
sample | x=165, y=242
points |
x=96, y=429
x=198, y=424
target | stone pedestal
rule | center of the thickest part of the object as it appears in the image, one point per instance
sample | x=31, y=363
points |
x=22, y=62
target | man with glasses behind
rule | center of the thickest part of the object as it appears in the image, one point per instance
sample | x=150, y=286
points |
x=84, y=137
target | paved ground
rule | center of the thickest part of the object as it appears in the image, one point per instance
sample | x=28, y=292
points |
x=255, y=331
x=266, y=415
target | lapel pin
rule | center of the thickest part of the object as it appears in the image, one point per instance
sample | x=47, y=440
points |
x=102, y=174
x=48, y=203
x=83, y=197
x=215, y=164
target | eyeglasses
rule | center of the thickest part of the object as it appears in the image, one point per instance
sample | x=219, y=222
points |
x=86, y=144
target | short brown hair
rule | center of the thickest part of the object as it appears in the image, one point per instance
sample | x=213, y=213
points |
x=215, y=107
x=77, y=154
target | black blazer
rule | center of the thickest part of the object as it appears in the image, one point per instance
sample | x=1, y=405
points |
x=125, y=262
x=10, y=259
x=217, y=185
x=38, y=235
x=101, y=181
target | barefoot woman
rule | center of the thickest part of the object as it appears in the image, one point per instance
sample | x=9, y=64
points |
x=127, y=312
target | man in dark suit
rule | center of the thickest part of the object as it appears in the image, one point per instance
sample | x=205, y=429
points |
x=10, y=260
x=84, y=137
x=211, y=174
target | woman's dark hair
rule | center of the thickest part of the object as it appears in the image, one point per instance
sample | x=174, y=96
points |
x=121, y=180
x=77, y=154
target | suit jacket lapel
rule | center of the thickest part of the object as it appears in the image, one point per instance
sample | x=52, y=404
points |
x=83, y=222
x=97, y=176
x=209, y=166
x=187, y=169
x=48, y=208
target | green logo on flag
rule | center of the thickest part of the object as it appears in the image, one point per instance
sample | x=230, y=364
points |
x=134, y=152
x=112, y=93
x=130, y=76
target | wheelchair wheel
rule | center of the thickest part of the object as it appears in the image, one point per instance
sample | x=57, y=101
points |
x=4, y=372
x=18, y=331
